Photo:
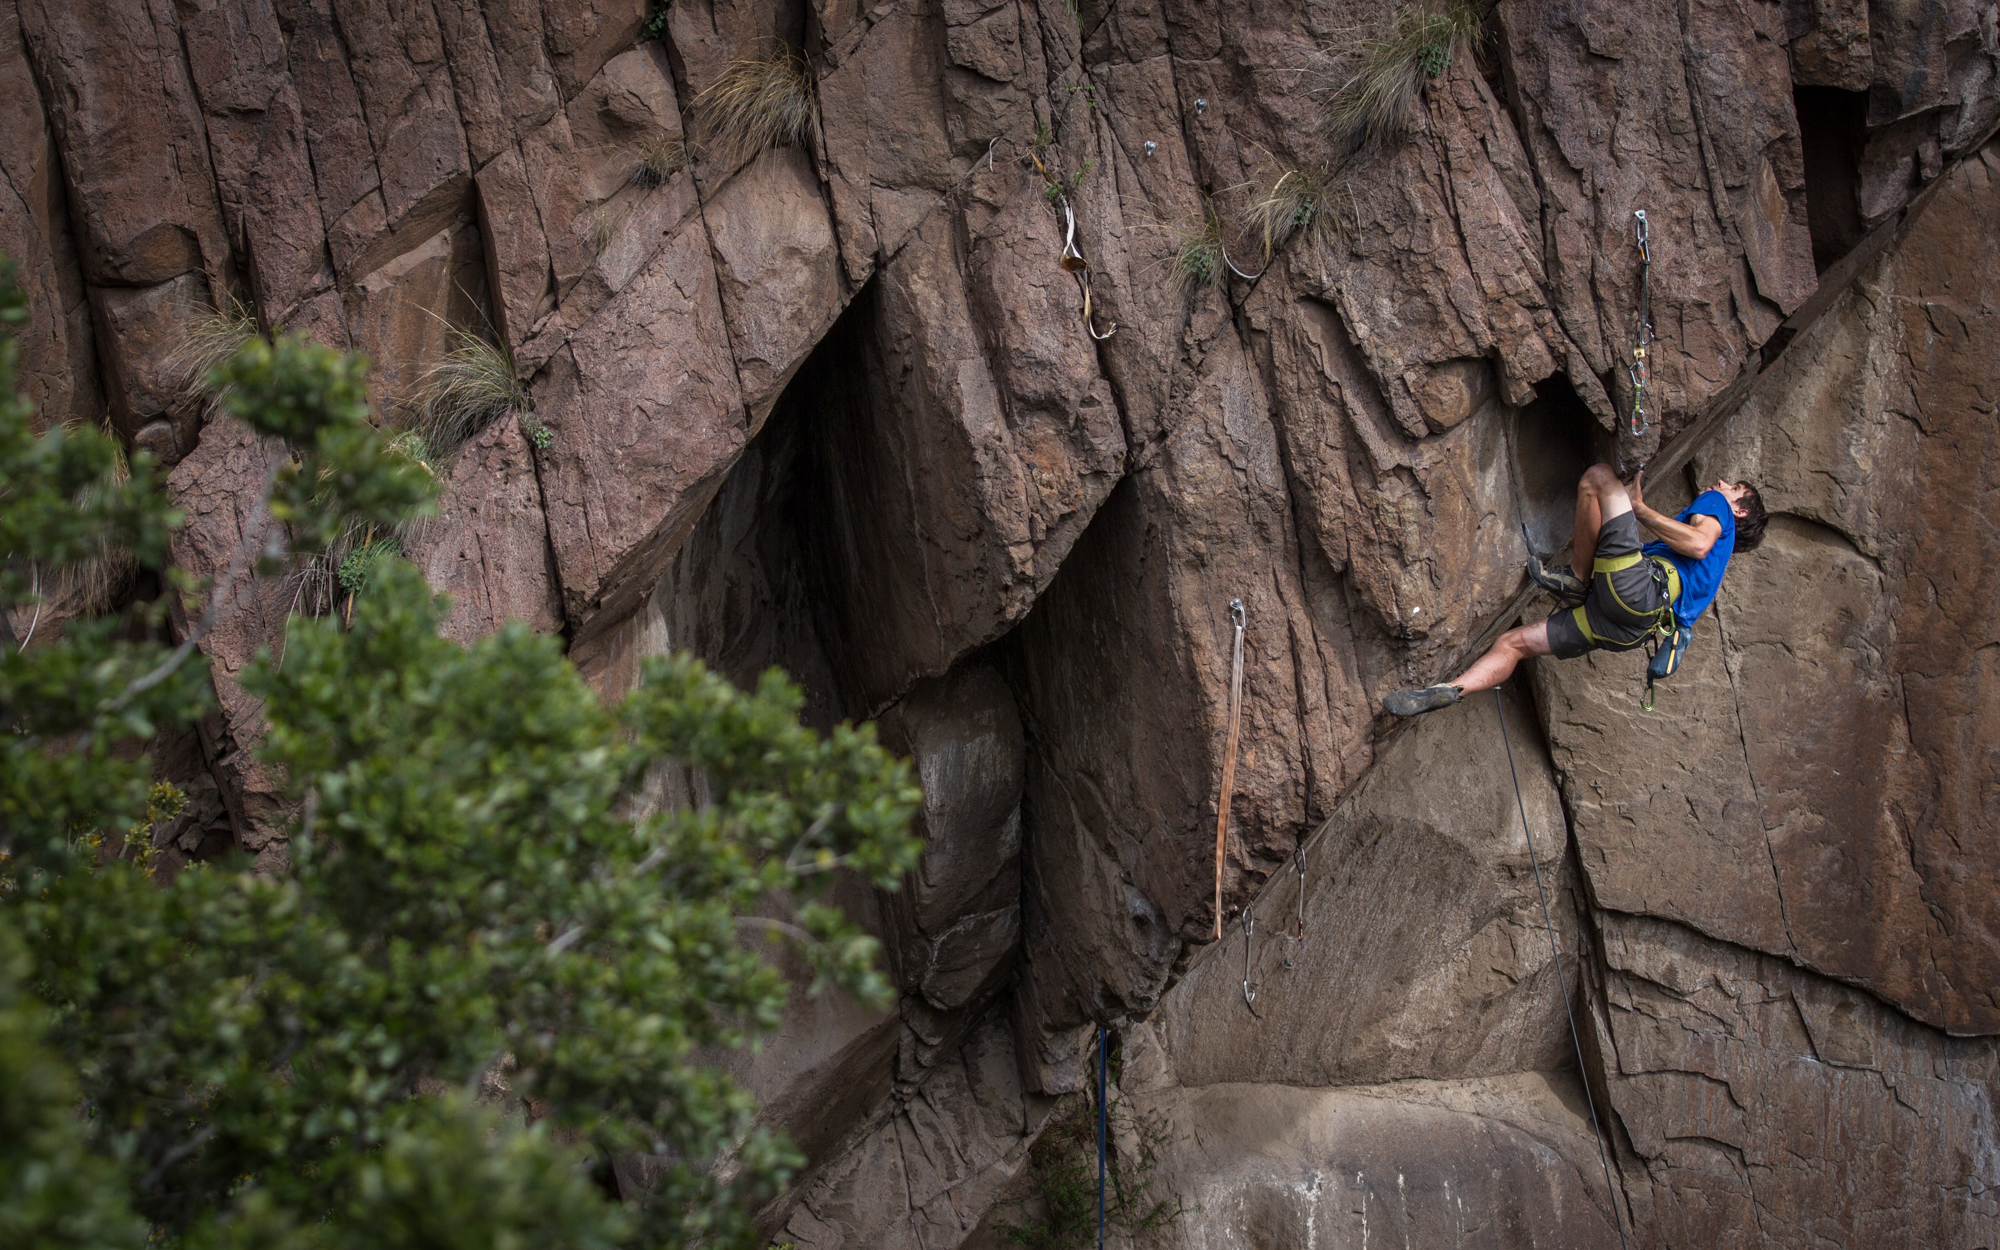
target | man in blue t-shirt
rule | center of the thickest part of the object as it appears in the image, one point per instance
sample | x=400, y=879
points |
x=1616, y=593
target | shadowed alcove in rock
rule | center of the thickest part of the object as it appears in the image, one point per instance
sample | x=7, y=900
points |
x=1552, y=440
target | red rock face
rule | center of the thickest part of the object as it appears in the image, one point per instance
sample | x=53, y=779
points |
x=835, y=407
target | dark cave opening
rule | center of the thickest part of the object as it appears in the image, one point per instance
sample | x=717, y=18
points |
x=1833, y=129
x=762, y=575
x=1552, y=441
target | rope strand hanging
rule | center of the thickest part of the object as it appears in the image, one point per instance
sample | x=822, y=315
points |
x=1236, y=617
x=1562, y=982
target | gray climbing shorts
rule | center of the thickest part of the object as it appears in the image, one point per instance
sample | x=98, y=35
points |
x=1625, y=603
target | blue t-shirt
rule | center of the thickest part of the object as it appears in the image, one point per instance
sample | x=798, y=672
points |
x=1700, y=579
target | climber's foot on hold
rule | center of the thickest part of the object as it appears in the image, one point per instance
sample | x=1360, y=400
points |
x=1563, y=584
x=1429, y=699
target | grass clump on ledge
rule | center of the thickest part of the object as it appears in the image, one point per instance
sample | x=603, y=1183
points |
x=463, y=393
x=759, y=102
x=660, y=158
x=1198, y=260
x=1374, y=105
x=210, y=338
x=1300, y=203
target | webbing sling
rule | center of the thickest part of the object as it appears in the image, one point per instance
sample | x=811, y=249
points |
x=1236, y=617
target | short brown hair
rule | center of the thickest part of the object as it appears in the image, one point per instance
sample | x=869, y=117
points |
x=1750, y=526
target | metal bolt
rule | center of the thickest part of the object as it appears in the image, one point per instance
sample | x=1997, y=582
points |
x=1151, y=147
x=1200, y=105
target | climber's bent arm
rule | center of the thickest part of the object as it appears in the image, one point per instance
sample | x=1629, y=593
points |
x=1692, y=541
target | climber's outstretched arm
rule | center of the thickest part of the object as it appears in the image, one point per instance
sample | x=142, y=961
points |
x=1497, y=665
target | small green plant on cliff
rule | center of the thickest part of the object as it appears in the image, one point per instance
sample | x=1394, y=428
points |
x=468, y=389
x=759, y=102
x=1374, y=104
x=288, y=1060
x=655, y=24
x=1062, y=1165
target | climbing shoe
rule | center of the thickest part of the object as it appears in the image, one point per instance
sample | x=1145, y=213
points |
x=1563, y=584
x=1429, y=699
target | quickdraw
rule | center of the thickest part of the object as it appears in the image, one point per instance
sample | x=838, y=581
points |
x=1072, y=260
x=1299, y=859
x=1298, y=933
x=1249, y=928
x=1643, y=350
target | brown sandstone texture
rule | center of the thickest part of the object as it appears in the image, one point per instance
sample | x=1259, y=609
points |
x=834, y=408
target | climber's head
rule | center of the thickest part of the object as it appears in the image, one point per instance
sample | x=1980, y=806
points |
x=1749, y=509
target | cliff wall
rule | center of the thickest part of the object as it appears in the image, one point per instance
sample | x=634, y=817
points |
x=839, y=407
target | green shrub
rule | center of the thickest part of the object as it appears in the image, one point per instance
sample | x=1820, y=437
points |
x=1374, y=104
x=759, y=102
x=257, y=1061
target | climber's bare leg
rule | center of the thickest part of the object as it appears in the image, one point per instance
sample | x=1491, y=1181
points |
x=1497, y=665
x=1599, y=497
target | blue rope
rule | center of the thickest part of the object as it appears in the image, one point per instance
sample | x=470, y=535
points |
x=1562, y=982
x=1101, y=1068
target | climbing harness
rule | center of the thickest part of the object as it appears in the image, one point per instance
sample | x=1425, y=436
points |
x=1562, y=982
x=1072, y=260
x=1236, y=618
x=1102, y=1065
x=1249, y=930
x=1665, y=640
x=1642, y=352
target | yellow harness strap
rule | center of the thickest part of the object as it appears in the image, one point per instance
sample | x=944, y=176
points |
x=1663, y=617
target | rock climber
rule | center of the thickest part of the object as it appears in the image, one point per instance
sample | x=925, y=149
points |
x=1617, y=591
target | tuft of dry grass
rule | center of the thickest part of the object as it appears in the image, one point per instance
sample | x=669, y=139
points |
x=1198, y=261
x=207, y=340
x=1300, y=202
x=759, y=102
x=604, y=223
x=660, y=158
x=464, y=392
x=1375, y=104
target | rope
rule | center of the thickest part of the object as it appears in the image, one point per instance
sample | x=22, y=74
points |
x=1561, y=981
x=1229, y=757
x=1101, y=1066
